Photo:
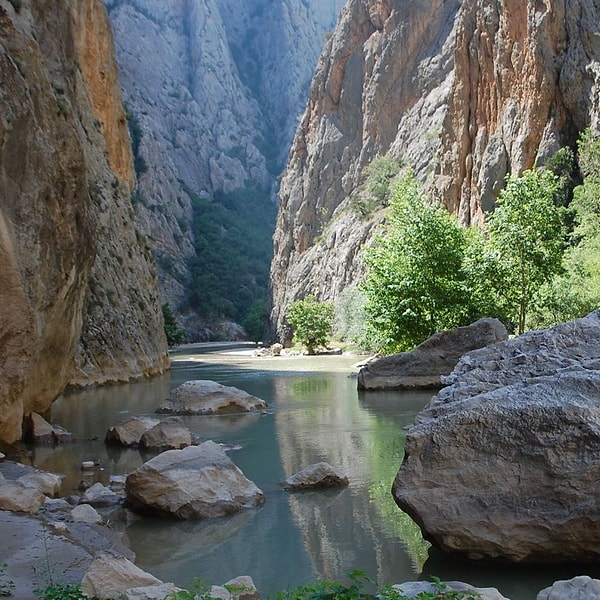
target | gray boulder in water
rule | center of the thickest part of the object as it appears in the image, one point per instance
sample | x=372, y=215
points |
x=205, y=397
x=319, y=475
x=503, y=463
x=423, y=367
x=197, y=482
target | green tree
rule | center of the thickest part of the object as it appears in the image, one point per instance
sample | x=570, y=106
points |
x=416, y=285
x=525, y=242
x=256, y=320
x=175, y=335
x=311, y=321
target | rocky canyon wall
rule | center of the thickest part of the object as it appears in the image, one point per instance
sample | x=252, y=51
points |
x=78, y=295
x=462, y=92
x=215, y=88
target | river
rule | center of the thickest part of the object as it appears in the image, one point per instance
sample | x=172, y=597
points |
x=315, y=413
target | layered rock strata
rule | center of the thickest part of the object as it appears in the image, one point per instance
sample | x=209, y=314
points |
x=78, y=299
x=462, y=92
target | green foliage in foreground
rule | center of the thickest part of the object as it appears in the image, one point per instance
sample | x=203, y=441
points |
x=322, y=590
x=311, y=321
x=331, y=590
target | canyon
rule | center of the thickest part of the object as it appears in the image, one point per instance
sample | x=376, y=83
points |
x=461, y=92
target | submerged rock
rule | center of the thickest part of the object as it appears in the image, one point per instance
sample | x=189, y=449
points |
x=503, y=463
x=205, y=397
x=194, y=483
x=424, y=366
x=319, y=475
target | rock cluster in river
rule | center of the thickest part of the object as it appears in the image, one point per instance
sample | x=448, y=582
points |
x=503, y=463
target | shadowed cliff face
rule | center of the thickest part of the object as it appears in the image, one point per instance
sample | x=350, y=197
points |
x=76, y=285
x=462, y=92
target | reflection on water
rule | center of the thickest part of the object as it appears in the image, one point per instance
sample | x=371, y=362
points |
x=315, y=413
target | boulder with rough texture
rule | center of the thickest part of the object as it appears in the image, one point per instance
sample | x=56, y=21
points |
x=39, y=431
x=239, y=588
x=578, y=588
x=47, y=483
x=503, y=462
x=319, y=475
x=427, y=363
x=17, y=497
x=194, y=483
x=109, y=576
x=169, y=434
x=129, y=431
x=85, y=513
x=100, y=495
x=205, y=397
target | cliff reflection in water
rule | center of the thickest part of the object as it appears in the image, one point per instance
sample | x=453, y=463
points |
x=294, y=538
x=366, y=440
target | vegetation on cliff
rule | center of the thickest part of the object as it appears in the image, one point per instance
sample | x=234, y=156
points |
x=532, y=263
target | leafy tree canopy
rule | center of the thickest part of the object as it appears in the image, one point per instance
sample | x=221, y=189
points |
x=416, y=284
x=311, y=321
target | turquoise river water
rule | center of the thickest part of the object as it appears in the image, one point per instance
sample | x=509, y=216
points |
x=315, y=413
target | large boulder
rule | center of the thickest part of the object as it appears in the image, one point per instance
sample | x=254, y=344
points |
x=578, y=588
x=110, y=576
x=129, y=431
x=205, y=397
x=18, y=497
x=169, y=434
x=194, y=483
x=319, y=475
x=424, y=366
x=503, y=463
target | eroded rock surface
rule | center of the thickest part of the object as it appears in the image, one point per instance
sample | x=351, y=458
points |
x=503, y=462
x=205, y=397
x=427, y=363
x=169, y=434
x=194, y=483
x=74, y=268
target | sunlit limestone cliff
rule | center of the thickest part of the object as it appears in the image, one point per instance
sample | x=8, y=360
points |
x=78, y=292
x=214, y=89
x=463, y=92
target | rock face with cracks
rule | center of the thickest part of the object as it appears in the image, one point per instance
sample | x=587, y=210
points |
x=503, y=463
x=463, y=92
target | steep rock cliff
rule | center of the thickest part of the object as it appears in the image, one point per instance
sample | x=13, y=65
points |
x=462, y=92
x=215, y=88
x=78, y=297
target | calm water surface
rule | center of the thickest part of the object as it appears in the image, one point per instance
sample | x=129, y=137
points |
x=315, y=413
